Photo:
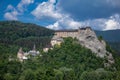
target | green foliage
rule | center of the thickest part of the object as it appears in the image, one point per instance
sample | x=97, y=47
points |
x=24, y=34
x=100, y=38
x=70, y=61
x=28, y=75
x=97, y=75
x=109, y=49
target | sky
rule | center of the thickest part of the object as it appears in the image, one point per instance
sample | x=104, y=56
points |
x=64, y=14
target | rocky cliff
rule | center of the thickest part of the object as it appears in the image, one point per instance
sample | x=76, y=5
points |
x=88, y=39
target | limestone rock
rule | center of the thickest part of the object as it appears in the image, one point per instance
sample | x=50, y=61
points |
x=88, y=39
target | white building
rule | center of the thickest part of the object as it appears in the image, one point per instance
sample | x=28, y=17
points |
x=56, y=40
x=20, y=54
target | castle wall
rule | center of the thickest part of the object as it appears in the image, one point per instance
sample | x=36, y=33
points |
x=72, y=33
x=66, y=34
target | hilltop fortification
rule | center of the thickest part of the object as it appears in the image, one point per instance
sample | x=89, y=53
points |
x=88, y=39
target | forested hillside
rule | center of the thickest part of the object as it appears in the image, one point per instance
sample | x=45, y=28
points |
x=70, y=61
x=24, y=34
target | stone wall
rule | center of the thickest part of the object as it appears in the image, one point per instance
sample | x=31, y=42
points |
x=66, y=34
x=71, y=33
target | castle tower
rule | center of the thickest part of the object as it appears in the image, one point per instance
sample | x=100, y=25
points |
x=20, y=54
x=79, y=30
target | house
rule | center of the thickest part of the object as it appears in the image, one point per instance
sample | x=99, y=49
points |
x=56, y=40
x=47, y=48
x=20, y=54
x=24, y=55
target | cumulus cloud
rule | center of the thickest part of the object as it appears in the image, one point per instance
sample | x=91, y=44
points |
x=10, y=7
x=54, y=26
x=11, y=15
x=47, y=9
x=13, y=12
x=65, y=23
x=113, y=22
x=23, y=3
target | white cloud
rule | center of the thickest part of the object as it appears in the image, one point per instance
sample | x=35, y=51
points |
x=113, y=22
x=46, y=9
x=11, y=15
x=52, y=1
x=55, y=26
x=23, y=3
x=13, y=12
x=65, y=23
x=10, y=7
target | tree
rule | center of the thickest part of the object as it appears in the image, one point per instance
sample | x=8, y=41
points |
x=28, y=75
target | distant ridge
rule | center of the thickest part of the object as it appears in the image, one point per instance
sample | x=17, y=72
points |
x=110, y=35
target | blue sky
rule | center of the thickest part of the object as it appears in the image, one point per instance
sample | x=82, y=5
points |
x=64, y=14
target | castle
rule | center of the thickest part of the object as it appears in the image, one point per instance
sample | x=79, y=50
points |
x=87, y=38
x=60, y=34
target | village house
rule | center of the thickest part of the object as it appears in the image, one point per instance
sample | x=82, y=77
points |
x=24, y=55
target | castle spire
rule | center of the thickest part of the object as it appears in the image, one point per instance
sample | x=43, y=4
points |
x=34, y=47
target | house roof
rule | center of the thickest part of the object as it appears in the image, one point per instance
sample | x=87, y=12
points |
x=48, y=46
x=21, y=51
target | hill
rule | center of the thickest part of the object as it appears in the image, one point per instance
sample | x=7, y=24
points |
x=24, y=34
x=110, y=35
x=70, y=61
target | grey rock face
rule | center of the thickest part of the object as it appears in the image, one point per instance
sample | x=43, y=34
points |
x=88, y=39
